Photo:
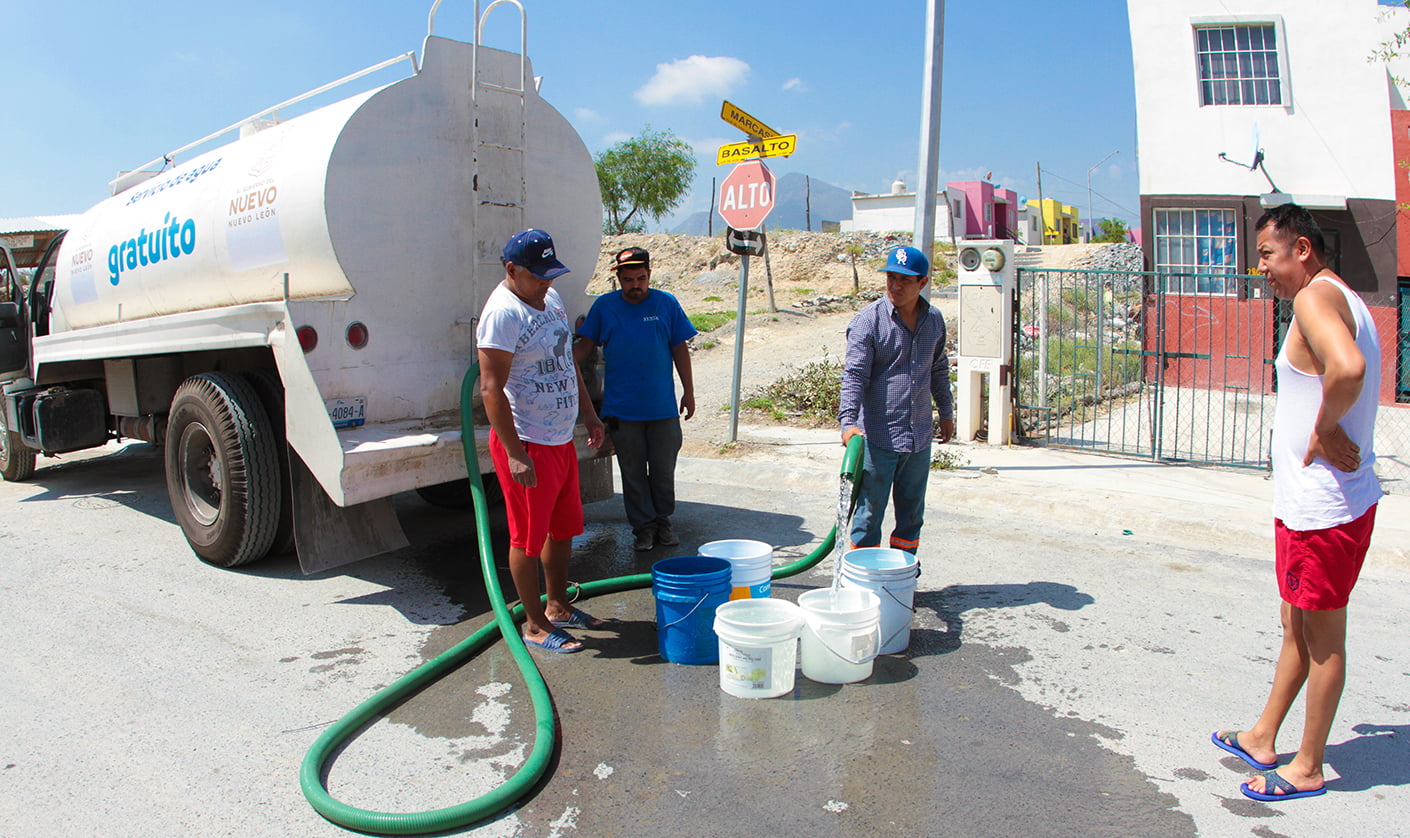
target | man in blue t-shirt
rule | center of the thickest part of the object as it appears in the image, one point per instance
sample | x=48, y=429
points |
x=642, y=332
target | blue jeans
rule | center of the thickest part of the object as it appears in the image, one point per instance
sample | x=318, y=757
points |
x=646, y=459
x=904, y=478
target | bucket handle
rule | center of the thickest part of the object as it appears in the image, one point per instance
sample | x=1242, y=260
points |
x=697, y=604
x=814, y=623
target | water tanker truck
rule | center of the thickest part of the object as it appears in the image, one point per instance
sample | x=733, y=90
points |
x=290, y=314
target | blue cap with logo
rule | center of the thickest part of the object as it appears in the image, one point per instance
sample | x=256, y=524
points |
x=533, y=249
x=907, y=260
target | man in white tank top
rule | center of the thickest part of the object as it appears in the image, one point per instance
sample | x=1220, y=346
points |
x=1324, y=495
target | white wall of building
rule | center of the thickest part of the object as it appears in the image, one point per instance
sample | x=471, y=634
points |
x=897, y=213
x=1330, y=137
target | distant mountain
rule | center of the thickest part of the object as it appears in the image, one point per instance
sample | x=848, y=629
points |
x=828, y=202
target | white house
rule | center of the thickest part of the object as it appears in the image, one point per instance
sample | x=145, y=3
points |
x=1242, y=104
x=896, y=212
x=1288, y=79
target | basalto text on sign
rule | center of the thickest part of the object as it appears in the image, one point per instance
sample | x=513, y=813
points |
x=780, y=146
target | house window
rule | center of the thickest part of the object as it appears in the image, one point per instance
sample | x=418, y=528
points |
x=1199, y=247
x=1238, y=65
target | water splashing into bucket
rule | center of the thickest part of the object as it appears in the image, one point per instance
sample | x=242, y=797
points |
x=844, y=529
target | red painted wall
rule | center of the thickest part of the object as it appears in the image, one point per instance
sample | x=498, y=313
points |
x=1237, y=335
x=1400, y=127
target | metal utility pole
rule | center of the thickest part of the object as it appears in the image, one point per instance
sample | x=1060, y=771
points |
x=1042, y=209
x=1092, y=219
x=928, y=169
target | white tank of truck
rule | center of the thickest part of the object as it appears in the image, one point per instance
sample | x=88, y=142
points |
x=291, y=314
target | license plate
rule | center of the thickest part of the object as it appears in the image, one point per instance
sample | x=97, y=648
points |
x=347, y=413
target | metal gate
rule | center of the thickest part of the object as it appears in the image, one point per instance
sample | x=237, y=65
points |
x=1166, y=366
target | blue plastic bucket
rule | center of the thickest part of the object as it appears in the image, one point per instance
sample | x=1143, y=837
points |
x=688, y=590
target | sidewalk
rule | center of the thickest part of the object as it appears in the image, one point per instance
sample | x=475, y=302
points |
x=1212, y=508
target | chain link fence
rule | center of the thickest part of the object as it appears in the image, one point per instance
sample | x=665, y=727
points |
x=1111, y=361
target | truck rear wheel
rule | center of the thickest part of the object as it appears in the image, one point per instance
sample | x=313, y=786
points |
x=222, y=469
x=271, y=394
x=16, y=458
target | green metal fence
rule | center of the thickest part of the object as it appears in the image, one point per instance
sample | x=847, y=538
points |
x=1170, y=367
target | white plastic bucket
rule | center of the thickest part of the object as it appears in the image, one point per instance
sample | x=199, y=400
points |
x=752, y=563
x=758, y=646
x=891, y=575
x=841, y=634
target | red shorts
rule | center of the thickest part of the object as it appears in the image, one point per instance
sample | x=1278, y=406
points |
x=1318, y=568
x=552, y=508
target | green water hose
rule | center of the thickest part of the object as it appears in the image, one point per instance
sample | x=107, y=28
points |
x=311, y=773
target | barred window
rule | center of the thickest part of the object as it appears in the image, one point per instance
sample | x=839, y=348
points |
x=1238, y=65
x=1199, y=248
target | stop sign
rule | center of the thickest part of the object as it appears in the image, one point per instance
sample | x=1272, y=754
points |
x=747, y=195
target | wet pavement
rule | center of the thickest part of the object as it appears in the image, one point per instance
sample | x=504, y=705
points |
x=1082, y=624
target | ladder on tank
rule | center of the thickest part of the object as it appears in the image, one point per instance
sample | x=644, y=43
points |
x=498, y=209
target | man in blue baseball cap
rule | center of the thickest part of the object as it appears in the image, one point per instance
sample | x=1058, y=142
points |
x=534, y=394
x=894, y=369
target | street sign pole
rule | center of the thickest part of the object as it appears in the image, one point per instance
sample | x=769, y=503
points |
x=738, y=346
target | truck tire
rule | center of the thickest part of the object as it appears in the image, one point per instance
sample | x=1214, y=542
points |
x=16, y=458
x=222, y=469
x=271, y=394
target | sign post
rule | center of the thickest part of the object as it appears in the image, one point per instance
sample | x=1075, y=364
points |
x=746, y=199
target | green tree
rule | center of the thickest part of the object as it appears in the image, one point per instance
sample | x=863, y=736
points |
x=643, y=177
x=1112, y=230
x=1391, y=49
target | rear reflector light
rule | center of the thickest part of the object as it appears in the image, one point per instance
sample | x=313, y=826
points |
x=308, y=338
x=357, y=335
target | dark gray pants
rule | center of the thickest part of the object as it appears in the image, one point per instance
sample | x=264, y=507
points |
x=646, y=458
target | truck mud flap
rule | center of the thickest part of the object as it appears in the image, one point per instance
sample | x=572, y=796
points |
x=328, y=535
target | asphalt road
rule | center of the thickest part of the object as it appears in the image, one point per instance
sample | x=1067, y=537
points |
x=1081, y=627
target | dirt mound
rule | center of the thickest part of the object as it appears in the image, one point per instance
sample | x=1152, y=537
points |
x=813, y=283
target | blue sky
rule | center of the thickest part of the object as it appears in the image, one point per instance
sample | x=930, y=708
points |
x=96, y=87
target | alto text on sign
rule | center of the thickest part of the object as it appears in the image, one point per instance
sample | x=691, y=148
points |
x=747, y=195
x=781, y=146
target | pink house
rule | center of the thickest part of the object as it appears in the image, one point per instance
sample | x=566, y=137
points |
x=989, y=212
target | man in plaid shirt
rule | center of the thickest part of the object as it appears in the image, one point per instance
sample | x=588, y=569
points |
x=895, y=367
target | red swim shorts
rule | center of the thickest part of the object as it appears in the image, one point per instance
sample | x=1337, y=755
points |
x=1318, y=568
x=552, y=507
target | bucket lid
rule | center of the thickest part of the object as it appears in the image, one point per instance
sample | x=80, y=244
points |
x=848, y=604
x=878, y=558
x=689, y=568
x=737, y=548
x=766, y=615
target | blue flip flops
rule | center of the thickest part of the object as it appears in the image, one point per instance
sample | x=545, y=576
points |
x=556, y=641
x=580, y=619
x=1285, y=790
x=1231, y=744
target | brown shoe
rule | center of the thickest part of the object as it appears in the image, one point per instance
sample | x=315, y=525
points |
x=645, y=540
x=666, y=537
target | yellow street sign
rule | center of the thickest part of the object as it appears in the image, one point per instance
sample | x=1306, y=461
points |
x=775, y=146
x=737, y=117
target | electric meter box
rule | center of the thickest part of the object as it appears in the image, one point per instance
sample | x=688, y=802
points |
x=987, y=282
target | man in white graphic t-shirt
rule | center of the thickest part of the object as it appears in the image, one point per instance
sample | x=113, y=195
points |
x=534, y=395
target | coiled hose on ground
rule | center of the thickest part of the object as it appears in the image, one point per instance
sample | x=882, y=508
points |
x=311, y=774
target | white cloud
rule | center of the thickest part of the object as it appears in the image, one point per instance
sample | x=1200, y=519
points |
x=615, y=137
x=691, y=80
x=586, y=115
x=796, y=85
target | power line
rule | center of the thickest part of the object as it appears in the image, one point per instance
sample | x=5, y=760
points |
x=1119, y=206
